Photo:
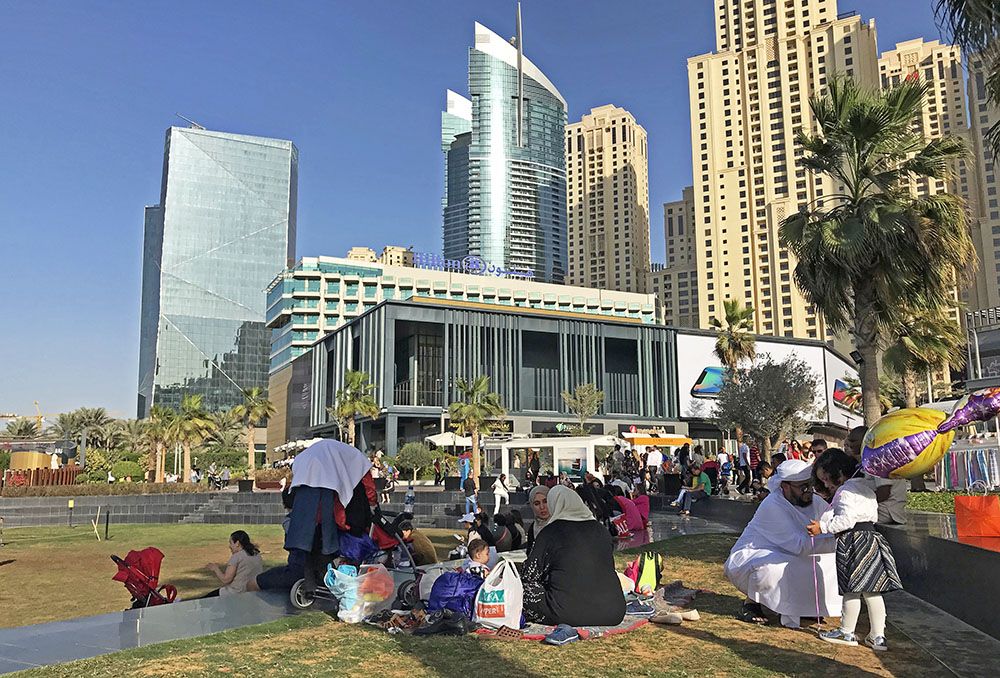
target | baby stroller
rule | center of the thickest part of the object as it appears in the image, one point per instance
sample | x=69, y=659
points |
x=140, y=572
x=386, y=538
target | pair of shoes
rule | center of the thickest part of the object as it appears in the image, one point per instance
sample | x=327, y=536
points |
x=562, y=634
x=838, y=637
x=448, y=623
x=876, y=643
x=674, y=504
x=690, y=615
x=683, y=513
x=672, y=618
x=637, y=609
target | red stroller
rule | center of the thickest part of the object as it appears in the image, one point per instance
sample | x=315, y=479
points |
x=140, y=571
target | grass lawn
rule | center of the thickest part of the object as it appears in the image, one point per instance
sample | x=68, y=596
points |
x=56, y=573
x=312, y=644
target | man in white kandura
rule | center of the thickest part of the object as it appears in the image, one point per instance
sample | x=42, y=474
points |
x=772, y=563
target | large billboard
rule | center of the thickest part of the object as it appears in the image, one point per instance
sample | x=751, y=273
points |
x=700, y=375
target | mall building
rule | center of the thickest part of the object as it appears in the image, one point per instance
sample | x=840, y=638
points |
x=533, y=347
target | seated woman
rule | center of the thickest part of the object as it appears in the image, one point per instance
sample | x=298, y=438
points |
x=538, y=501
x=243, y=567
x=503, y=533
x=632, y=515
x=642, y=505
x=569, y=576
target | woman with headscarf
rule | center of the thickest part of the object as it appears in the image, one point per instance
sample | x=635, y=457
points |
x=569, y=576
x=538, y=502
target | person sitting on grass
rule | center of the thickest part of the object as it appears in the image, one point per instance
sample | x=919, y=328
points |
x=420, y=546
x=243, y=567
x=633, y=517
x=479, y=558
x=700, y=488
x=569, y=576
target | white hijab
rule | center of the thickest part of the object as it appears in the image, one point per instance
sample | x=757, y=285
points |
x=330, y=464
x=565, y=504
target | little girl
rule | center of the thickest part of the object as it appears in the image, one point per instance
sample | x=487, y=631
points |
x=866, y=567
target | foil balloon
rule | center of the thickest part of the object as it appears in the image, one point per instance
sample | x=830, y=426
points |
x=908, y=443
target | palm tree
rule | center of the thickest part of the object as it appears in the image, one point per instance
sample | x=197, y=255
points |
x=22, y=427
x=68, y=426
x=476, y=411
x=926, y=340
x=355, y=399
x=734, y=342
x=160, y=429
x=254, y=409
x=870, y=244
x=191, y=428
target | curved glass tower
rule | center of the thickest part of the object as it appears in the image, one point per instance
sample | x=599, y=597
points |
x=505, y=188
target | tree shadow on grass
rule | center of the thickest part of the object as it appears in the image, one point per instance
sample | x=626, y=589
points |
x=777, y=659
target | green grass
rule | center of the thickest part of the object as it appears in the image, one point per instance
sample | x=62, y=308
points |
x=37, y=561
x=935, y=502
x=314, y=645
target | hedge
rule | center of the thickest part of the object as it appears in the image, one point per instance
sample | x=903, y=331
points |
x=99, y=489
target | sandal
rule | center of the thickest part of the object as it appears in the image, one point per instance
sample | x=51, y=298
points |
x=752, y=614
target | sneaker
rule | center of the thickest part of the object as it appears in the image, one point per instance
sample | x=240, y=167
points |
x=877, y=643
x=561, y=635
x=839, y=637
x=637, y=609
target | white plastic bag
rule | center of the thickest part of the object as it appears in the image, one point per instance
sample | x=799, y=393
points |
x=373, y=590
x=501, y=598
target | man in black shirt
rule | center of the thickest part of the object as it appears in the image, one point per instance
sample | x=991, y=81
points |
x=471, y=496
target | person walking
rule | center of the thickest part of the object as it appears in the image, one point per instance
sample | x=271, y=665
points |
x=500, y=491
x=743, y=467
x=471, y=495
x=437, y=471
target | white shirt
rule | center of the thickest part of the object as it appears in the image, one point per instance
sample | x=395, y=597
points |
x=722, y=458
x=744, y=454
x=854, y=502
x=654, y=458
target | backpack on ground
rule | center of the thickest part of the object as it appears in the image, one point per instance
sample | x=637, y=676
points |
x=646, y=571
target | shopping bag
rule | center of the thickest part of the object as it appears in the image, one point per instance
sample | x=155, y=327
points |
x=977, y=516
x=501, y=598
x=369, y=592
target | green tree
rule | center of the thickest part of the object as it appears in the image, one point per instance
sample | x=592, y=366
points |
x=924, y=340
x=734, y=342
x=476, y=413
x=22, y=427
x=355, y=399
x=67, y=426
x=191, y=427
x=770, y=400
x=583, y=403
x=254, y=410
x=414, y=457
x=869, y=245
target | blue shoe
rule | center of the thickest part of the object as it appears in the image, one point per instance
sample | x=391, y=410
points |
x=637, y=609
x=838, y=637
x=561, y=635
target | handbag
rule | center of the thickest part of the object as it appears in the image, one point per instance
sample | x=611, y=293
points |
x=620, y=523
x=500, y=599
x=977, y=515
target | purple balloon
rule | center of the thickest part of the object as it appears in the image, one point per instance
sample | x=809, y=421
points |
x=979, y=406
x=881, y=461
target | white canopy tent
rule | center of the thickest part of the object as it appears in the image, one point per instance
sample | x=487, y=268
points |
x=448, y=439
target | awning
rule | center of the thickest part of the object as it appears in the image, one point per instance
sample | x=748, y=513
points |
x=448, y=439
x=646, y=439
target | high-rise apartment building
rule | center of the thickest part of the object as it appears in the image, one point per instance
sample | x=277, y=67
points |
x=747, y=101
x=505, y=181
x=675, y=284
x=985, y=292
x=607, y=174
x=224, y=228
x=944, y=113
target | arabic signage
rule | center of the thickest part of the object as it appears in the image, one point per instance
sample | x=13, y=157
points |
x=472, y=265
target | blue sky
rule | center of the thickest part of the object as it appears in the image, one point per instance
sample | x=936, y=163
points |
x=87, y=90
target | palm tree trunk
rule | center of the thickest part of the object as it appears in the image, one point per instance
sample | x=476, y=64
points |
x=187, y=463
x=350, y=430
x=159, y=462
x=910, y=388
x=866, y=339
x=251, y=457
x=475, y=456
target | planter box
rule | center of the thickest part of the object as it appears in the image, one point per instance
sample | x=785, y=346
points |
x=268, y=484
x=486, y=482
x=451, y=483
x=245, y=485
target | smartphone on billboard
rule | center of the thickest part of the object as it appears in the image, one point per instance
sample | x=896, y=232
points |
x=842, y=396
x=709, y=383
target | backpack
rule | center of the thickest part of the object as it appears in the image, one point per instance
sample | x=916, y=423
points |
x=646, y=571
x=455, y=591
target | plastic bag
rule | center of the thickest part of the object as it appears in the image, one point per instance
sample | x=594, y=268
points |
x=500, y=599
x=370, y=591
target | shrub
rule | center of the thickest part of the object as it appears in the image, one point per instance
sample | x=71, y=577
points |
x=272, y=474
x=103, y=489
x=4, y=460
x=128, y=469
x=413, y=458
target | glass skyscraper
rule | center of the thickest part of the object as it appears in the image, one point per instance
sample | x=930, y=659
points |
x=505, y=177
x=224, y=228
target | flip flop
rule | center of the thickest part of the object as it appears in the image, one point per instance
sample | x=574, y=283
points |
x=751, y=616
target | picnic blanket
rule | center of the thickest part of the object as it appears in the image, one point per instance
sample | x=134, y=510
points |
x=537, y=632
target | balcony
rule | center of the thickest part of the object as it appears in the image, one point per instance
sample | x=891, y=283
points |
x=407, y=393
